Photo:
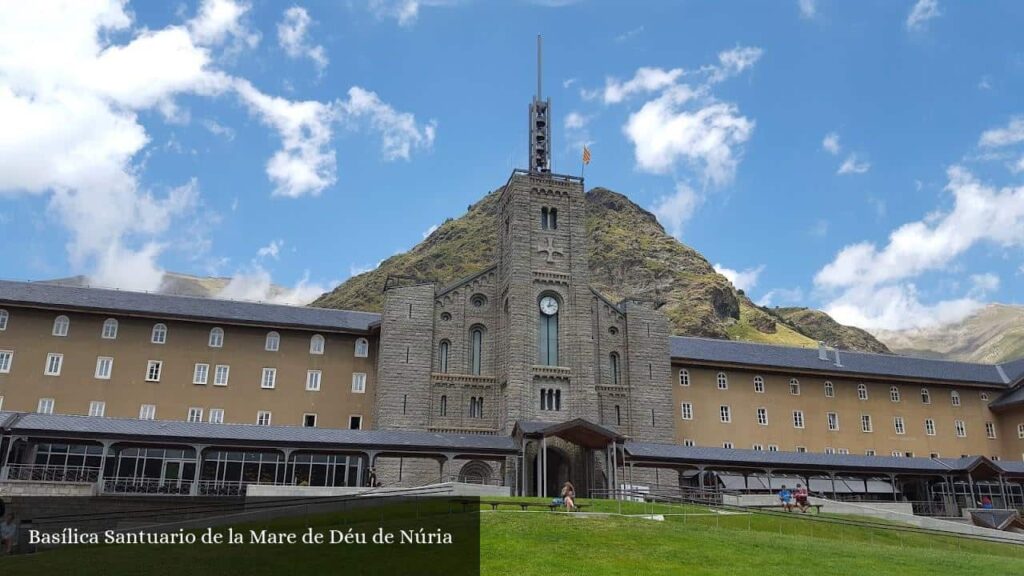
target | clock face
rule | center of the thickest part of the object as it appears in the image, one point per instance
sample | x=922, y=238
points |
x=548, y=305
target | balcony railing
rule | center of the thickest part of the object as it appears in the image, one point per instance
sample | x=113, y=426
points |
x=130, y=485
x=37, y=473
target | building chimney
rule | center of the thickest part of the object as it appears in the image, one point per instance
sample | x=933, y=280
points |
x=838, y=362
x=822, y=351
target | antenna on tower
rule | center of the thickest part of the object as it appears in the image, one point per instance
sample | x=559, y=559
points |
x=540, y=125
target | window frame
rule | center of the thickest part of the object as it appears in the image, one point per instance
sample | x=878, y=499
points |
x=360, y=421
x=5, y=317
x=929, y=427
x=686, y=410
x=722, y=381
x=862, y=392
x=960, y=428
x=894, y=394
x=215, y=338
x=314, y=380
x=794, y=387
x=832, y=421
x=159, y=364
x=6, y=365
x=990, y=430
x=762, y=416
x=954, y=398
x=305, y=416
x=684, y=377
x=97, y=413
x=799, y=422
x=205, y=374
x=271, y=382
x=61, y=326
x=758, y=384
x=926, y=396
x=262, y=415
x=272, y=342
x=314, y=348
x=158, y=329
x=360, y=379
x=194, y=410
x=147, y=412
x=725, y=414
x=866, y=419
x=212, y=412
x=50, y=358
x=106, y=333
x=362, y=348
x=830, y=389
x=227, y=374
x=899, y=425
x=101, y=361
x=50, y=403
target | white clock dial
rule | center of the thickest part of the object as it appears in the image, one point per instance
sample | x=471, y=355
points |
x=548, y=305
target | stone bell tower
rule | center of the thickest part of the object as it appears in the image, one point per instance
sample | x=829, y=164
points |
x=545, y=364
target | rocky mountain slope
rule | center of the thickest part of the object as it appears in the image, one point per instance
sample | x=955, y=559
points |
x=630, y=255
x=994, y=333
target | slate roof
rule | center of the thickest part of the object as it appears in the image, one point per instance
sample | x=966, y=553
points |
x=807, y=460
x=1012, y=398
x=123, y=302
x=852, y=363
x=296, y=436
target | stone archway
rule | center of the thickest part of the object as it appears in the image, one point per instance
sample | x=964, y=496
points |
x=475, y=472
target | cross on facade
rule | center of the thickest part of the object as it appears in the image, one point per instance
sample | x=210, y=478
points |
x=550, y=249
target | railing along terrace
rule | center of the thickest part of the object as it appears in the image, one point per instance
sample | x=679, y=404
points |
x=132, y=485
x=38, y=473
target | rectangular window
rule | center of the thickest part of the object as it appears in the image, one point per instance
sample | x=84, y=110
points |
x=843, y=451
x=869, y=452
x=201, y=374
x=865, y=423
x=97, y=408
x=990, y=430
x=762, y=416
x=309, y=420
x=269, y=379
x=727, y=445
x=53, y=364
x=1020, y=431
x=897, y=423
x=45, y=406
x=833, y=421
x=773, y=447
x=216, y=415
x=313, y=380
x=195, y=414
x=355, y=422
x=798, y=419
x=688, y=443
x=6, y=358
x=801, y=449
x=104, y=366
x=687, y=410
x=897, y=454
x=830, y=450
x=153, y=369
x=757, y=447
x=147, y=412
x=220, y=375
x=894, y=393
x=263, y=418
x=830, y=390
x=929, y=427
x=358, y=383
x=725, y=414
x=758, y=384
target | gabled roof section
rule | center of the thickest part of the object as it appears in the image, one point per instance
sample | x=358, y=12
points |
x=729, y=352
x=465, y=280
x=1014, y=371
x=1011, y=399
x=128, y=303
x=604, y=299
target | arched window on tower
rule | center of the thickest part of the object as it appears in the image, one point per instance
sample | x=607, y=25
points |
x=476, y=350
x=613, y=359
x=444, y=405
x=544, y=218
x=553, y=218
x=442, y=356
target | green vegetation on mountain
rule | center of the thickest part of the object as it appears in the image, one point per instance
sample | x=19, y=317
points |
x=821, y=327
x=631, y=255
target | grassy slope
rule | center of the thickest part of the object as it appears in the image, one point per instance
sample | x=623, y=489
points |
x=522, y=544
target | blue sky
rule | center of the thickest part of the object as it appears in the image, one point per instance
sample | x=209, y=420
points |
x=865, y=158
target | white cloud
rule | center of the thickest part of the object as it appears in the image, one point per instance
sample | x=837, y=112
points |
x=428, y=232
x=306, y=163
x=820, y=228
x=405, y=12
x=291, y=35
x=645, y=80
x=831, y=143
x=1018, y=166
x=851, y=165
x=629, y=34
x=1012, y=133
x=218, y=129
x=356, y=270
x=254, y=284
x=568, y=82
x=665, y=131
x=744, y=280
x=272, y=250
x=576, y=121
x=808, y=8
x=218, y=20
x=874, y=284
x=985, y=83
x=676, y=209
x=921, y=13
x=399, y=132
x=735, y=61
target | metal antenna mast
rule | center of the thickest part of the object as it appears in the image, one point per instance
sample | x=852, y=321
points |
x=540, y=125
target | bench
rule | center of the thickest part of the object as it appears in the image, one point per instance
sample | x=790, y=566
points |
x=817, y=507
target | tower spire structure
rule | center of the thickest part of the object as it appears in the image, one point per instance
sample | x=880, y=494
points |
x=540, y=125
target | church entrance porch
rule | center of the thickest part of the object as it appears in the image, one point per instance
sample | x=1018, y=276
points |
x=576, y=451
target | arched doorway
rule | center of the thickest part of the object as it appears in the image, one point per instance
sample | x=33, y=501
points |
x=558, y=472
x=475, y=472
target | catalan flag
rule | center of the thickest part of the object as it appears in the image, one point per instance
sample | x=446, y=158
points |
x=586, y=155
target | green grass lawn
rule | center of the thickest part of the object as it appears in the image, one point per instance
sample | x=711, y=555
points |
x=690, y=540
